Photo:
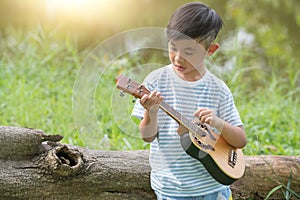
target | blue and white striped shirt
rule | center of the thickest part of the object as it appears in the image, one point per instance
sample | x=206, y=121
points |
x=173, y=171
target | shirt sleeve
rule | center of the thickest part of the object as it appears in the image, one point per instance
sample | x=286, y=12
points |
x=229, y=112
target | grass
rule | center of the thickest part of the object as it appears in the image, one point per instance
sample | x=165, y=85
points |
x=287, y=191
x=36, y=79
x=38, y=72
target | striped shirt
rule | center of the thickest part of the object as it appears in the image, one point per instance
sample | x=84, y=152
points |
x=173, y=171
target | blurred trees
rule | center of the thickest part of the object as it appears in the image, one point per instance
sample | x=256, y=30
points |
x=276, y=23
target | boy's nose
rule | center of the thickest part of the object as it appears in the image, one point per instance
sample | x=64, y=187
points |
x=179, y=58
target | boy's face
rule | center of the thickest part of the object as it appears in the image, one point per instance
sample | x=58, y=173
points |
x=187, y=57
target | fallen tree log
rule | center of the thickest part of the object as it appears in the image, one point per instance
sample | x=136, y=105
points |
x=263, y=173
x=50, y=170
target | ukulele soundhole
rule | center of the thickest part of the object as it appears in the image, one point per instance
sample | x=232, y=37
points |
x=232, y=158
x=202, y=145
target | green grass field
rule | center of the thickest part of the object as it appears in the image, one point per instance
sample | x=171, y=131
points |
x=38, y=72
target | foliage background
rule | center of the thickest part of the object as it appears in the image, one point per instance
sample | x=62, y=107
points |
x=44, y=43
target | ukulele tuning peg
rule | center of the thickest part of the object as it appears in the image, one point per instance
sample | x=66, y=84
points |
x=121, y=94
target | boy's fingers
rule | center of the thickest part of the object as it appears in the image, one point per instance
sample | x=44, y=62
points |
x=196, y=114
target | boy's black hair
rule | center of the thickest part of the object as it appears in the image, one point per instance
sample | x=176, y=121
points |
x=194, y=20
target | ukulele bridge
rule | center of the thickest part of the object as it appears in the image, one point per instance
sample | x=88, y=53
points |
x=232, y=158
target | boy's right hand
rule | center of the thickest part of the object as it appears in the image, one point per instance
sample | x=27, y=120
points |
x=151, y=102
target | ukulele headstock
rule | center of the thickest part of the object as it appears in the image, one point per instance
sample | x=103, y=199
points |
x=126, y=85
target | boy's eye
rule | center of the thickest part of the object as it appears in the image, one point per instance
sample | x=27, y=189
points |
x=189, y=53
x=173, y=49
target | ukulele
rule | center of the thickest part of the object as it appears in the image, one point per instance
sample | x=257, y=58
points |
x=224, y=162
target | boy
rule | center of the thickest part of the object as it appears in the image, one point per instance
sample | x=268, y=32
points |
x=193, y=91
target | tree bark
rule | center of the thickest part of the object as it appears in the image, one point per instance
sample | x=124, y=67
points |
x=265, y=172
x=31, y=168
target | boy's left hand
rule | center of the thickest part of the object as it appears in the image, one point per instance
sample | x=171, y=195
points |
x=206, y=115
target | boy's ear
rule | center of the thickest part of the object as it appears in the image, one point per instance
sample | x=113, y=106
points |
x=212, y=48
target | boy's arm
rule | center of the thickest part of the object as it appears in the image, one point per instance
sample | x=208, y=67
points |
x=148, y=125
x=234, y=135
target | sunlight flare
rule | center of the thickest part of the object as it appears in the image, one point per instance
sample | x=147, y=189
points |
x=76, y=7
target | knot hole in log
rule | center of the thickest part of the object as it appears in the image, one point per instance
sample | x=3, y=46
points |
x=64, y=162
